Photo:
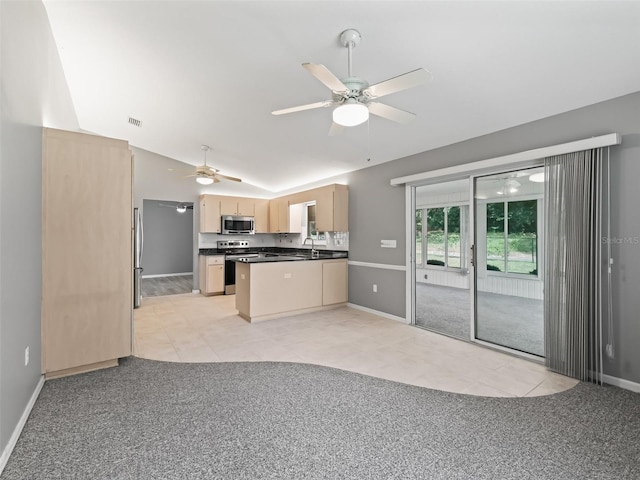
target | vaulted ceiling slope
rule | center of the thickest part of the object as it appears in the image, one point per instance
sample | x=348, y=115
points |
x=211, y=72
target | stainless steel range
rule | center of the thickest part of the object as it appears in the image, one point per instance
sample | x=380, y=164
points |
x=233, y=250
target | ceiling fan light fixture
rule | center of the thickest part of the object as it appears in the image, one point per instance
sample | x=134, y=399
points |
x=204, y=180
x=350, y=113
x=537, y=177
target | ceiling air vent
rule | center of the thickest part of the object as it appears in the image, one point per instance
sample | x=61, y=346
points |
x=135, y=122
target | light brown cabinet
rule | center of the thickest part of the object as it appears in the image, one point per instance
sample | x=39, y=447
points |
x=334, y=282
x=278, y=215
x=262, y=216
x=275, y=289
x=87, y=253
x=237, y=206
x=212, y=274
x=332, y=208
x=209, y=214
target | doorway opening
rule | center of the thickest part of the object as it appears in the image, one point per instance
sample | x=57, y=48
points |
x=167, y=253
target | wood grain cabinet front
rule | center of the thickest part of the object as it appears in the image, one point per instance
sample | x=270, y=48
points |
x=87, y=252
x=212, y=274
x=209, y=214
x=279, y=215
x=271, y=290
x=237, y=206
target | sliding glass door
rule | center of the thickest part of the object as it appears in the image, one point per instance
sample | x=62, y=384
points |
x=508, y=268
x=442, y=298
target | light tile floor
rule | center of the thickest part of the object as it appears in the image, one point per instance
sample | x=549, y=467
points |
x=194, y=328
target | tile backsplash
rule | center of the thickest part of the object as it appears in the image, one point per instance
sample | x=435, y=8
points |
x=334, y=240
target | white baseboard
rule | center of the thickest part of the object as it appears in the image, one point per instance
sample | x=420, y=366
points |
x=6, y=453
x=380, y=314
x=168, y=275
x=622, y=383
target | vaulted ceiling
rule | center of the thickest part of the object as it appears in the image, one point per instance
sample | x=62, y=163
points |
x=211, y=72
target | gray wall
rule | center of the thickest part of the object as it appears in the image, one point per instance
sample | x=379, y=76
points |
x=34, y=93
x=168, y=239
x=377, y=211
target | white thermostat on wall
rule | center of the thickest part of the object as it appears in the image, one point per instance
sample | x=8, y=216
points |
x=387, y=243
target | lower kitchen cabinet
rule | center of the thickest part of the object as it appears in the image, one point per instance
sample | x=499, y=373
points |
x=212, y=274
x=271, y=290
x=334, y=282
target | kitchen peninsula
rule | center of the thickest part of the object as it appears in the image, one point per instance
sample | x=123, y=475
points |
x=269, y=287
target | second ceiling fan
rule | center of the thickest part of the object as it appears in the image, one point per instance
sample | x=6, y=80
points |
x=353, y=97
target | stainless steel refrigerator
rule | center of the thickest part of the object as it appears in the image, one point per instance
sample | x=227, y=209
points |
x=138, y=238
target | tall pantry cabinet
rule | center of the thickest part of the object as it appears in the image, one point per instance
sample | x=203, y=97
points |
x=87, y=264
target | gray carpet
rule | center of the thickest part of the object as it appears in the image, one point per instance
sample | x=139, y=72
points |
x=157, y=420
x=443, y=309
x=514, y=322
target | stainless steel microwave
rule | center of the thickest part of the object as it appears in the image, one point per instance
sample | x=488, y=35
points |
x=236, y=225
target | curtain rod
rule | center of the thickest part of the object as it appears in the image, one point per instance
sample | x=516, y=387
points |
x=514, y=158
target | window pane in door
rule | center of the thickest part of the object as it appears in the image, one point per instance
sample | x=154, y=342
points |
x=495, y=237
x=418, y=237
x=453, y=237
x=435, y=236
x=522, y=237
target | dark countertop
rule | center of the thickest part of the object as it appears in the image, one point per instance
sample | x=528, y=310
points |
x=283, y=254
x=324, y=255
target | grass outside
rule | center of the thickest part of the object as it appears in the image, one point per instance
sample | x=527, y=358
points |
x=522, y=251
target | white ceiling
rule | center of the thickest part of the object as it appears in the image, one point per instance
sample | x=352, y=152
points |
x=210, y=72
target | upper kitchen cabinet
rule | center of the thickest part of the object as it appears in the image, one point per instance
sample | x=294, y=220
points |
x=279, y=215
x=210, y=214
x=87, y=252
x=332, y=208
x=261, y=215
x=237, y=206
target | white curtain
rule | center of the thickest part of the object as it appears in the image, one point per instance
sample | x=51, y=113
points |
x=573, y=301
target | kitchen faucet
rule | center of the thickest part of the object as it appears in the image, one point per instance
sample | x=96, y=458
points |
x=314, y=252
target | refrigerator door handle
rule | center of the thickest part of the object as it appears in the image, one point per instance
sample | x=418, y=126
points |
x=141, y=235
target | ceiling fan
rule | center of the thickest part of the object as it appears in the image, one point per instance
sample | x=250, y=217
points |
x=207, y=175
x=353, y=97
x=180, y=207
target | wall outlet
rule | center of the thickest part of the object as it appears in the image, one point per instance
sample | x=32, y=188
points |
x=375, y=288
x=26, y=356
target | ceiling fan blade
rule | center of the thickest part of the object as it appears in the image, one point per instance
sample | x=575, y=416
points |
x=336, y=129
x=300, y=108
x=390, y=113
x=323, y=74
x=396, y=84
x=233, y=179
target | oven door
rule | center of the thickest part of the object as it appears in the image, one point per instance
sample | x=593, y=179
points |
x=230, y=271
